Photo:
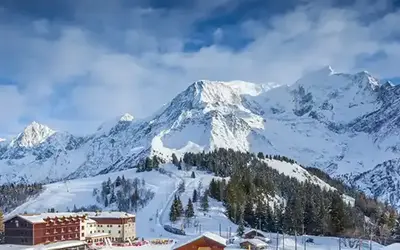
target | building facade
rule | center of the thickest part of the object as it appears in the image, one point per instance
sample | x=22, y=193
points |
x=43, y=228
x=119, y=225
x=33, y=229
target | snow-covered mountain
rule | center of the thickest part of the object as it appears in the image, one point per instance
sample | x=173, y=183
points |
x=345, y=124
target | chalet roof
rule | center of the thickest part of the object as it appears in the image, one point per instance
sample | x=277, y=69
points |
x=255, y=242
x=254, y=230
x=40, y=218
x=208, y=235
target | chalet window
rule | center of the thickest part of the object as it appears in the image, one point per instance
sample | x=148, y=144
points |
x=83, y=234
x=16, y=223
x=83, y=227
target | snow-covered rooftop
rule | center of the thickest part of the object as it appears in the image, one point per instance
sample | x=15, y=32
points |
x=94, y=215
x=211, y=236
x=39, y=218
x=255, y=230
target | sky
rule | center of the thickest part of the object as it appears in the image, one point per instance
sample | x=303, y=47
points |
x=73, y=64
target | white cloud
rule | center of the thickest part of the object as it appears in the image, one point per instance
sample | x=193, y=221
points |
x=82, y=76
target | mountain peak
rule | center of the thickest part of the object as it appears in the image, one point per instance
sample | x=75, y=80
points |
x=366, y=79
x=126, y=117
x=33, y=134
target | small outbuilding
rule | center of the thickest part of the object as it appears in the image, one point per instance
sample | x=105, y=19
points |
x=253, y=233
x=206, y=241
x=253, y=244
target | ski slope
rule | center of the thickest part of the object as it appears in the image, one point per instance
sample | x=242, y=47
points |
x=155, y=215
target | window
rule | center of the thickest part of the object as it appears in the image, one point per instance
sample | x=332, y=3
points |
x=119, y=225
x=83, y=234
x=119, y=232
x=16, y=223
x=103, y=231
x=109, y=231
x=83, y=227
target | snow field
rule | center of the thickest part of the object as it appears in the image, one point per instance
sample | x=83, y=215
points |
x=150, y=226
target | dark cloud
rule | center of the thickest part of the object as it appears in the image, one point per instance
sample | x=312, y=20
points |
x=73, y=63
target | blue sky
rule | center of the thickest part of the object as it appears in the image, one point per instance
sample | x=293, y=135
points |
x=73, y=64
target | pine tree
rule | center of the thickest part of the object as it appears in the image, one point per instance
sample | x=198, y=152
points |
x=204, y=201
x=106, y=202
x=181, y=187
x=270, y=220
x=193, y=175
x=173, y=211
x=337, y=214
x=260, y=155
x=189, y=213
x=194, y=197
x=156, y=162
x=310, y=216
x=175, y=160
x=248, y=215
x=180, y=164
x=240, y=229
x=118, y=182
x=113, y=198
x=260, y=215
x=179, y=207
x=148, y=165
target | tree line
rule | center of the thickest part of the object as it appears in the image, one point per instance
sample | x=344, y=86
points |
x=124, y=194
x=252, y=198
x=14, y=195
x=177, y=210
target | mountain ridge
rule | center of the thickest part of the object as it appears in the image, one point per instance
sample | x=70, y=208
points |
x=345, y=124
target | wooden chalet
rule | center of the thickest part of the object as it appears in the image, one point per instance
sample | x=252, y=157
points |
x=206, y=241
x=253, y=244
x=253, y=233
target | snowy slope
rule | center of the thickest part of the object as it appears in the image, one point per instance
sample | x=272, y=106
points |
x=155, y=215
x=382, y=182
x=296, y=171
x=345, y=124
